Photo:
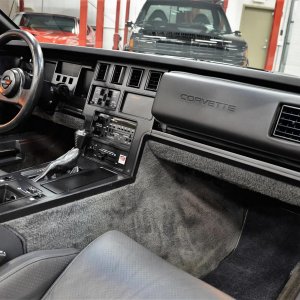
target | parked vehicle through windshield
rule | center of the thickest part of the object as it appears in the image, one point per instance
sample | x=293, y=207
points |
x=52, y=28
x=193, y=29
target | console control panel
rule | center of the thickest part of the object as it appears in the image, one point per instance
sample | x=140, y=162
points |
x=107, y=153
x=111, y=139
x=104, y=97
x=119, y=132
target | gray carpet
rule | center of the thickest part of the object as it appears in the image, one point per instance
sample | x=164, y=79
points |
x=243, y=178
x=184, y=218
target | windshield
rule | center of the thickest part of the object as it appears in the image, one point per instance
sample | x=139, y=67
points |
x=192, y=17
x=46, y=22
x=264, y=35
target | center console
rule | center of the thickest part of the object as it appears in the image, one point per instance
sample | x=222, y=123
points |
x=117, y=116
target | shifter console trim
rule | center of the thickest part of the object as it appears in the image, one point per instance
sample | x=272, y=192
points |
x=70, y=183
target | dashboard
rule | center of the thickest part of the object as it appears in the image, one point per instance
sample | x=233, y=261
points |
x=243, y=117
x=124, y=97
x=247, y=112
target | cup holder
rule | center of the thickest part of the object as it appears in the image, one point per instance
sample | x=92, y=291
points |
x=8, y=194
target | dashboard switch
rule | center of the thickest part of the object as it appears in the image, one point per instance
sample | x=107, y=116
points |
x=106, y=98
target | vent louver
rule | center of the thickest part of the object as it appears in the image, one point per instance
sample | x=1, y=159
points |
x=118, y=76
x=102, y=73
x=135, y=78
x=288, y=124
x=153, y=80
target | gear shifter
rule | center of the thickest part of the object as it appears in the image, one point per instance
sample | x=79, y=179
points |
x=68, y=161
x=62, y=164
x=80, y=138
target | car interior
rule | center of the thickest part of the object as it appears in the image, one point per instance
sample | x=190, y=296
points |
x=130, y=176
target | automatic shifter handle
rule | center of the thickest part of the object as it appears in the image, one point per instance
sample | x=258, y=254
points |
x=80, y=138
x=2, y=256
x=69, y=160
x=65, y=162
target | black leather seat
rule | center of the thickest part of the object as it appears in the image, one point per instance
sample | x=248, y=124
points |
x=116, y=267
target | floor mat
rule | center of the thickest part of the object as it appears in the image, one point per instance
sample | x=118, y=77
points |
x=268, y=251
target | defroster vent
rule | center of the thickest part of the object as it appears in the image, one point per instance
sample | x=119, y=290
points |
x=153, y=80
x=102, y=72
x=288, y=124
x=118, y=75
x=135, y=78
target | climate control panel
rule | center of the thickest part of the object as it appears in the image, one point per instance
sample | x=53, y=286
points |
x=104, y=97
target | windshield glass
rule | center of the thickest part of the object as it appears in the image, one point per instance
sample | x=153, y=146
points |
x=193, y=17
x=264, y=35
x=48, y=22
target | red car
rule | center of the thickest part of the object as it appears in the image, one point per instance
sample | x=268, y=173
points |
x=52, y=28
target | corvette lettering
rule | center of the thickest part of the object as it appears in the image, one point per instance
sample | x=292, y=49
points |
x=208, y=103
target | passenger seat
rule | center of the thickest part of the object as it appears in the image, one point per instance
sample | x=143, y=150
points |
x=112, y=267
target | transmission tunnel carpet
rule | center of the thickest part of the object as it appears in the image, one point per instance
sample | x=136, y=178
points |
x=186, y=218
x=268, y=251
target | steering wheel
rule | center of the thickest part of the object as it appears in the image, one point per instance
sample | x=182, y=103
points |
x=16, y=86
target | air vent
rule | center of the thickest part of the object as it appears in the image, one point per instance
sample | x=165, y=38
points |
x=135, y=78
x=153, y=80
x=118, y=76
x=102, y=73
x=288, y=124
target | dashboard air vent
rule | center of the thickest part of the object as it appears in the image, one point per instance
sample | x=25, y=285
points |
x=135, y=78
x=118, y=76
x=102, y=72
x=153, y=80
x=288, y=124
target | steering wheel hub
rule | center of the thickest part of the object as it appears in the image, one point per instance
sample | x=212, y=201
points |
x=10, y=82
x=18, y=87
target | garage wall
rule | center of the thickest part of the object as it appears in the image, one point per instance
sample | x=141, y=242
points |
x=9, y=6
x=290, y=62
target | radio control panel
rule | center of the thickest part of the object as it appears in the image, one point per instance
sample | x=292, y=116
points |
x=111, y=139
x=117, y=131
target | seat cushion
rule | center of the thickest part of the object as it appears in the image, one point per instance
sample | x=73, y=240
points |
x=116, y=267
x=29, y=276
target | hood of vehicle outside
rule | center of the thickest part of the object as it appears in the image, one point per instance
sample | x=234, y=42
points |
x=225, y=48
x=55, y=36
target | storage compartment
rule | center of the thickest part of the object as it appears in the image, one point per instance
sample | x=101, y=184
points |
x=78, y=180
x=9, y=153
x=8, y=194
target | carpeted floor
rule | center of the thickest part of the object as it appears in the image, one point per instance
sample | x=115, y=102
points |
x=268, y=251
x=189, y=220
